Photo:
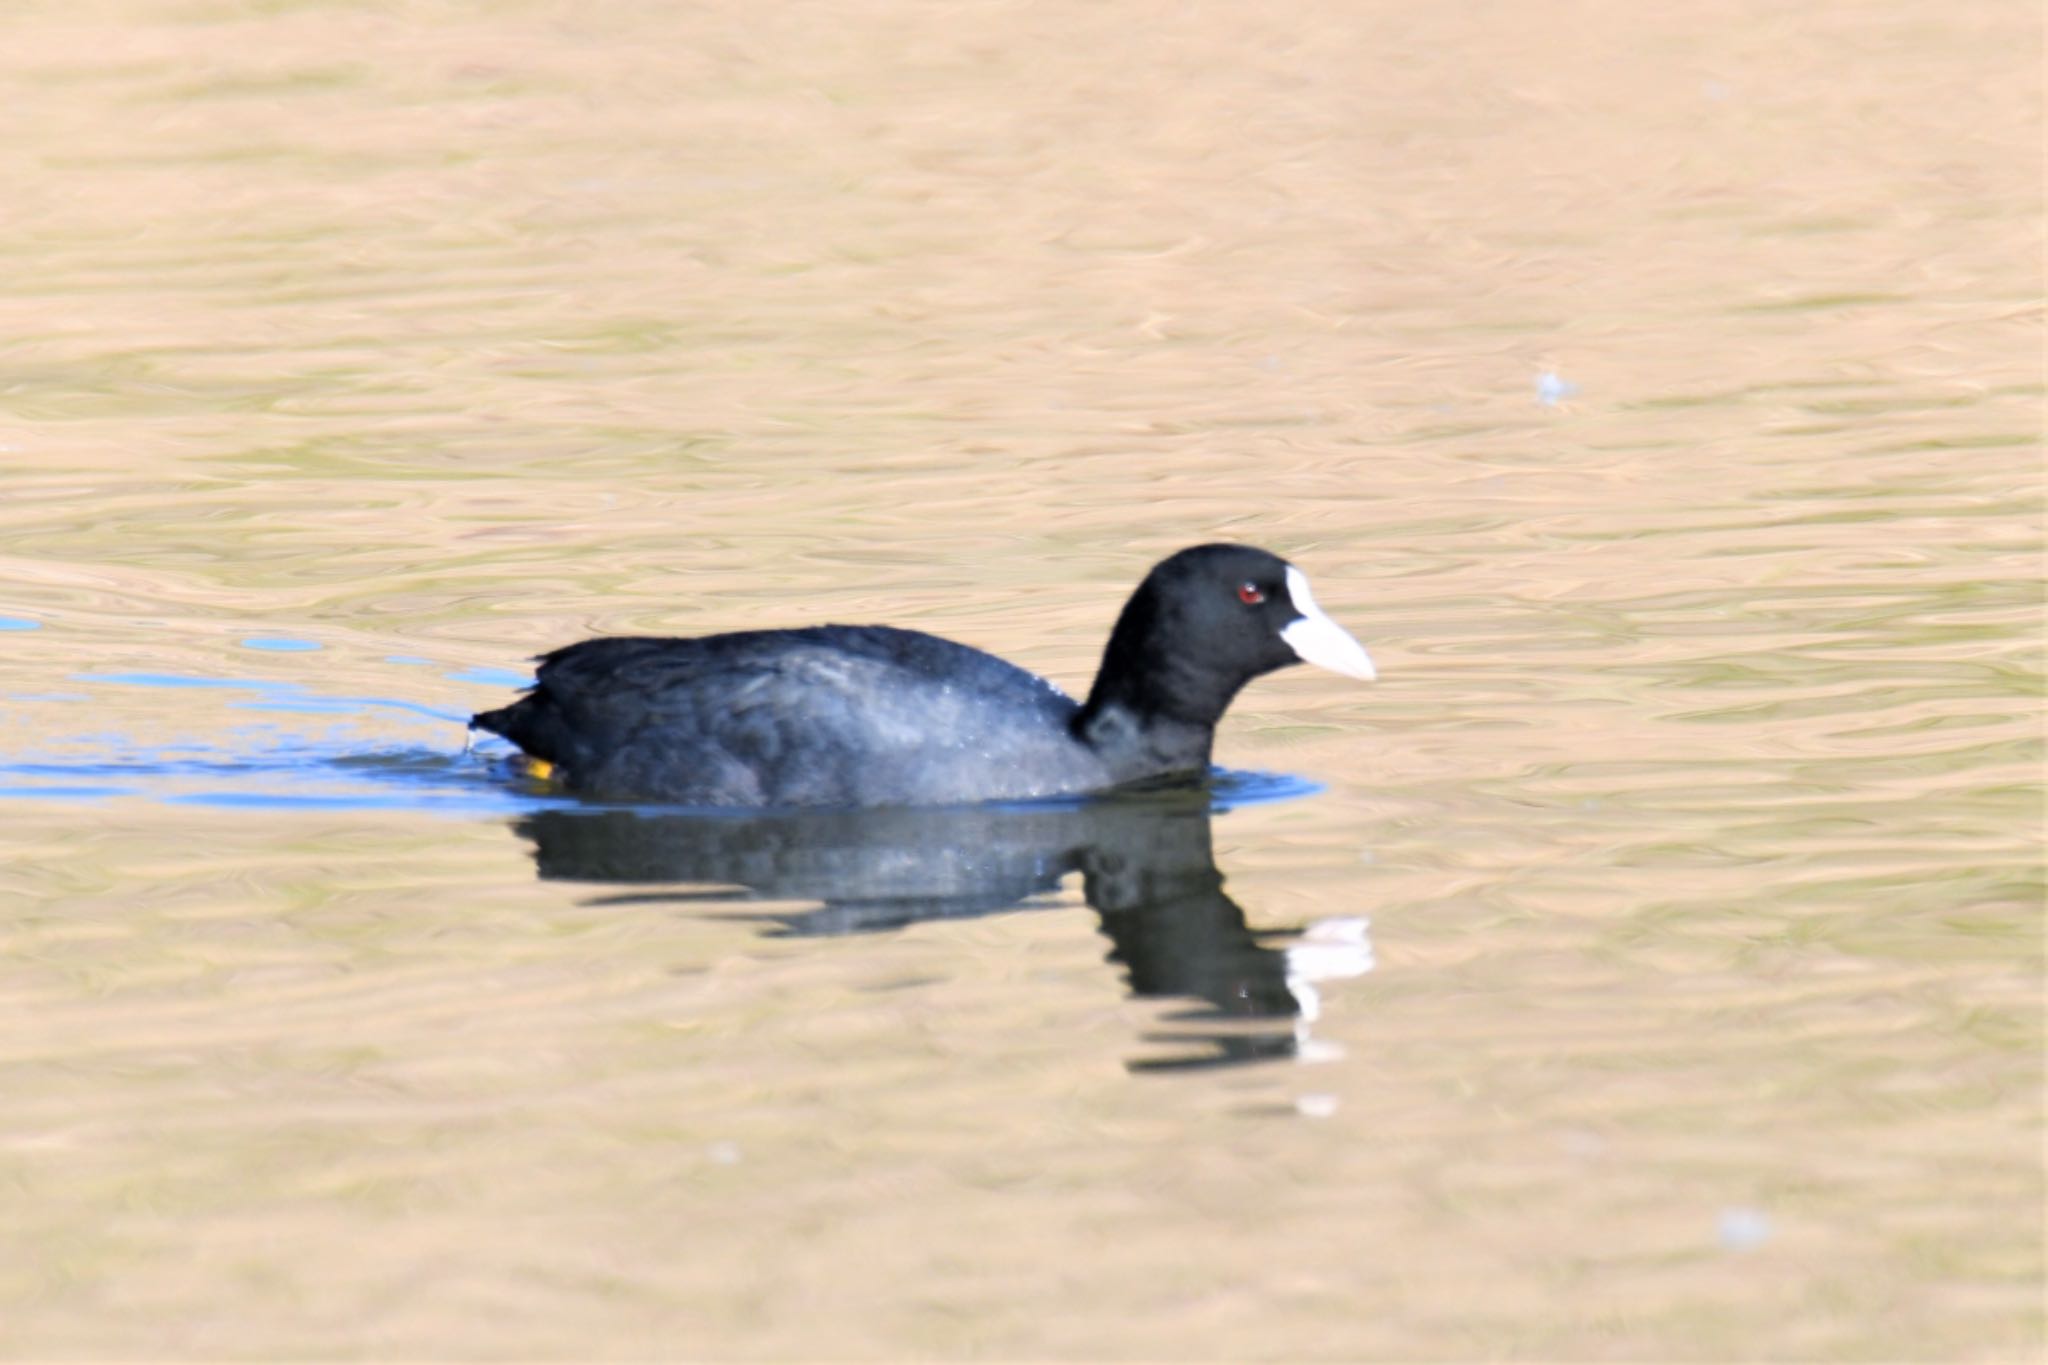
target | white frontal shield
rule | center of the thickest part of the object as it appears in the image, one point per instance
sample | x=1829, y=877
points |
x=1318, y=640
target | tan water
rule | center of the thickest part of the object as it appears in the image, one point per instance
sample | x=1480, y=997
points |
x=1656, y=389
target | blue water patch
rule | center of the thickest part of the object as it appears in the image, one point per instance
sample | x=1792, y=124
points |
x=316, y=750
x=57, y=791
x=406, y=659
x=1231, y=788
x=289, y=772
x=19, y=623
x=280, y=644
x=495, y=677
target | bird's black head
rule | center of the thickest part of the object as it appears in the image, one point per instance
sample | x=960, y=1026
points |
x=1205, y=622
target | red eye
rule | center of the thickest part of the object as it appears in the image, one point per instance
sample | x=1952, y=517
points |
x=1250, y=594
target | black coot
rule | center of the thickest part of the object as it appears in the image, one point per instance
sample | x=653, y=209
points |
x=875, y=716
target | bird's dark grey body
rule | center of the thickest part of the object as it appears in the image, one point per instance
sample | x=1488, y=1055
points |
x=878, y=716
x=821, y=716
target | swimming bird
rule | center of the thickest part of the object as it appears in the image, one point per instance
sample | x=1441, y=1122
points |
x=879, y=716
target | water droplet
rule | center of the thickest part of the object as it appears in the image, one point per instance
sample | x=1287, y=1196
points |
x=1553, y=388
x=1316, y=1106
x=1743, y=1229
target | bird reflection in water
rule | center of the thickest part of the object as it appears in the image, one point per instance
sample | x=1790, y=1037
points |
x=1146, y=869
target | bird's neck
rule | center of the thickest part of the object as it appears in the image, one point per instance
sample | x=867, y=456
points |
x=1150, y=713
x=1133, y=745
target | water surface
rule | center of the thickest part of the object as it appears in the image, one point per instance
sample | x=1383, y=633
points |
x=1653, y=973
